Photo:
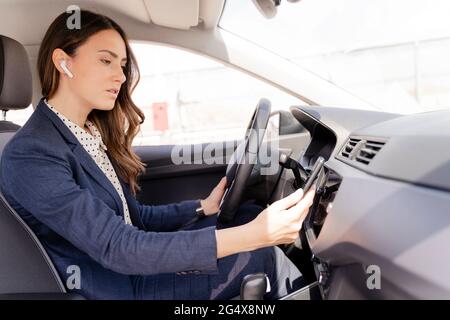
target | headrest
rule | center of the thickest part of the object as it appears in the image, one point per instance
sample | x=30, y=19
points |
x=15, y=75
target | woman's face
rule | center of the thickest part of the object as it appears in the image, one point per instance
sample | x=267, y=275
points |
x=98, y=69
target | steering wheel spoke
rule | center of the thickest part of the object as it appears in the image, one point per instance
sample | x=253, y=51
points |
x=244, y=158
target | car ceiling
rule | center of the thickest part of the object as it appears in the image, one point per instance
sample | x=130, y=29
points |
x=203, y=14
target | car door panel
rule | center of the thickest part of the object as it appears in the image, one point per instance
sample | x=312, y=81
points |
x=167, y=181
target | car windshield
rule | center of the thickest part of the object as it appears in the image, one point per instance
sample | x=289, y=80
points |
x=392, y=54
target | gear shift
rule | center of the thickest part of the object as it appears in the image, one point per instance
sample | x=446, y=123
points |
x=254, y=286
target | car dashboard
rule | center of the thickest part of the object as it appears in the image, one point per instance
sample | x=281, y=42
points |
x=378, y=229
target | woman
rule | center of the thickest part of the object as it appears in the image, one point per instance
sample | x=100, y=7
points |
x=71, y=174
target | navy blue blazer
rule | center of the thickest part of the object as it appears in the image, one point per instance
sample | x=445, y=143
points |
x=57, y=188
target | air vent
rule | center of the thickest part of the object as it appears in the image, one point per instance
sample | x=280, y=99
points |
x=362, y=150
x=349, y=147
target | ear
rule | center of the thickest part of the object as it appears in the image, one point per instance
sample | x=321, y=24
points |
x=59, y=55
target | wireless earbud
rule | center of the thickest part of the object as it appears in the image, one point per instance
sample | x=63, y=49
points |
x=66, y=70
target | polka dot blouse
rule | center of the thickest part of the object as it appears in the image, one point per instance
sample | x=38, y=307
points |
x=94, y=145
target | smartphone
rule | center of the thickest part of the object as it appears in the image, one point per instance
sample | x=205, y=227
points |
x=314, y=174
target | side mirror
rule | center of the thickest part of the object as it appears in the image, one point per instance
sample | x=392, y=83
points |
x=283, y=122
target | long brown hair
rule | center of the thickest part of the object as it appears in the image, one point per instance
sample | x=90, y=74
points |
x=119, y=126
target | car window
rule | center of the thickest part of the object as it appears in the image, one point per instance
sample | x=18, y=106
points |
x=19, y=116
x=392, y=54
x=188, y=98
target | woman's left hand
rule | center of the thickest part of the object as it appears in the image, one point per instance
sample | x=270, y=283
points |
x=211, y=204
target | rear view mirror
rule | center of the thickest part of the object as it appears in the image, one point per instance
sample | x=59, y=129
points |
x=268, y=8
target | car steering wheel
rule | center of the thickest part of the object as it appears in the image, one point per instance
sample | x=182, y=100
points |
x=241, y=163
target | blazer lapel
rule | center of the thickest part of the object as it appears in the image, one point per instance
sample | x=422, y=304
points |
x=131, y=202
x=132, y=208
x=97, y=174
x=85, y=159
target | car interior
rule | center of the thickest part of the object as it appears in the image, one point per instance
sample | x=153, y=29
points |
x=378, y=227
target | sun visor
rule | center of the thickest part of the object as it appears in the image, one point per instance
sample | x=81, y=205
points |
x=174, y=13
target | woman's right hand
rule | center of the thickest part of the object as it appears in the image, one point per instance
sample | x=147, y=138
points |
x=281, y=222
